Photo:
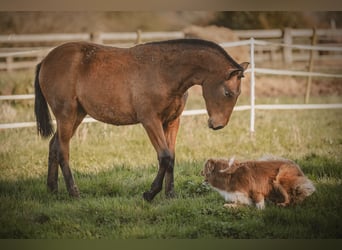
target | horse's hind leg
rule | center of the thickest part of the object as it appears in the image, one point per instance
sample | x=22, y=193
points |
x=65, y=130
x=52, y=179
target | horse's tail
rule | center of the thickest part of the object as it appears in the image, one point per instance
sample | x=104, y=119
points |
x=41, y=110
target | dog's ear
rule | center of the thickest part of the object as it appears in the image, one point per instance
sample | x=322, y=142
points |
x=232, y=166
x=209, y=166
x=231, y=161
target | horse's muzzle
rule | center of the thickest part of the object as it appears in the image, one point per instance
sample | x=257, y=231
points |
x=212, y=126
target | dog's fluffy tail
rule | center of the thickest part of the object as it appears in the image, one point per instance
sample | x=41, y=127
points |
x=303, y=189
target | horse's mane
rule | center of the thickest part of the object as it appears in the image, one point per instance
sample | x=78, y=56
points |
x=200, y=42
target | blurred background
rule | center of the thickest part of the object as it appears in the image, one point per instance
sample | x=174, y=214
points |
x=43, y=22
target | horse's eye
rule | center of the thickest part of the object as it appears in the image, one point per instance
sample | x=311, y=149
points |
x=228, y=93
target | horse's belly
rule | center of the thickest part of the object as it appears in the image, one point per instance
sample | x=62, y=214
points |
x=114, y=118
x=115, y=114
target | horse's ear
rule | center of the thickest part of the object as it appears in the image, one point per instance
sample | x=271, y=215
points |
x=244, y=65
x=231, y=71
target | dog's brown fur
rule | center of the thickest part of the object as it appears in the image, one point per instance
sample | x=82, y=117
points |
x=250, y=182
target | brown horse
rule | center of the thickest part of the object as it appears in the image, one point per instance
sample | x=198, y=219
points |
x=144, y=84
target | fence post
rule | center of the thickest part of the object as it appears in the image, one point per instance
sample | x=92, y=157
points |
x=95, y=37
x=138, y=41
x=309, y=80
x=287, y=51
x=252, y=119
x=9, y=63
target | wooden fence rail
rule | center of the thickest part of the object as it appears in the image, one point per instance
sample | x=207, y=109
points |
x=25, y=50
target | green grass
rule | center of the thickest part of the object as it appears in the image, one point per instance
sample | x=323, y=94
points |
x=113, y=166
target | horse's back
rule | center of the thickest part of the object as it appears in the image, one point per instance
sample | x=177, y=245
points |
x=77, y=56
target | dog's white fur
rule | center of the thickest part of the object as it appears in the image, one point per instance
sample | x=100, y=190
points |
x=248, y=183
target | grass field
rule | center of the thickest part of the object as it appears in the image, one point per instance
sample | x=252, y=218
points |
x=113, y=166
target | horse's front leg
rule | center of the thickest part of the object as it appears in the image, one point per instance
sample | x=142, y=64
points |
x=155, y=132
x=170, y=131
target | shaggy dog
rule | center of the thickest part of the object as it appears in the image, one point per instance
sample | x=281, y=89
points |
x=251, y=182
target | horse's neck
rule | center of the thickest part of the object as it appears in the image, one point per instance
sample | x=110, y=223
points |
x=183, y=67
x=188, y=70
x=189, y=80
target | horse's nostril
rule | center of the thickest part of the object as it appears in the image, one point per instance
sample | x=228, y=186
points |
x=211, y=125
x=217, y=128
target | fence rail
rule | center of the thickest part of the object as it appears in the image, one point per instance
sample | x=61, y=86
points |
x=204, y=111
x=324, y=34
x=291, y=52
x=252, y=107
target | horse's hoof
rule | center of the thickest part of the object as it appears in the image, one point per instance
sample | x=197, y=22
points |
x=75, y=195
x=53, y=190
x=74, y=192
x=170, y=194
x=148, y=196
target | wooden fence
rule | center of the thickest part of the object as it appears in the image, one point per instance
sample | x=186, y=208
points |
x=25, y=51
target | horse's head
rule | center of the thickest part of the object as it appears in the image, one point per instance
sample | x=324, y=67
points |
x=221, y=95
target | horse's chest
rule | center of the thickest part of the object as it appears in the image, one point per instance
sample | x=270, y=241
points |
x=173, y=110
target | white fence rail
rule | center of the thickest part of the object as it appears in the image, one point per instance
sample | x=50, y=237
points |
x=254, y=70
x=29, y=56
x=275, y=34
x=252, y=107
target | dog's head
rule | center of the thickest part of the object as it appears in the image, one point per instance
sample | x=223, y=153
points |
x=208, y=169
x=215, y=167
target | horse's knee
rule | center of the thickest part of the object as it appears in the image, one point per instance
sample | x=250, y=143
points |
x=166, y=161
x=164, y=156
